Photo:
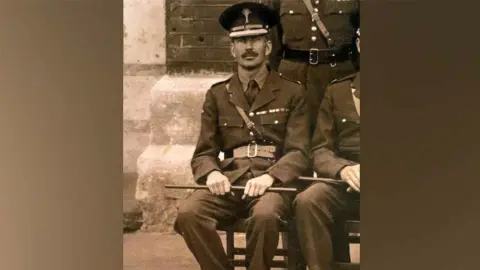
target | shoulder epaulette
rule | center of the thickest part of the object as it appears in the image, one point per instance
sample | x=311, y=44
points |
x=348, y=77
x=288, y=79
x=220, y=82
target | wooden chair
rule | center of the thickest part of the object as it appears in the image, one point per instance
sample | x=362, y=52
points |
x=347, y=231
x=290, y=251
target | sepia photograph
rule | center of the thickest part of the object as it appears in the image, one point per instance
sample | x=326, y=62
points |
x=225, y=135
x=241, y=135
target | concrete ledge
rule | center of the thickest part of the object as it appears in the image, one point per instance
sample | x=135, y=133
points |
x=144, y=69
x=176, y=107
x=136, y=118
x=157, y=166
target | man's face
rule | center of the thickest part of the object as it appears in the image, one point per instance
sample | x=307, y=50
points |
x=251, y=52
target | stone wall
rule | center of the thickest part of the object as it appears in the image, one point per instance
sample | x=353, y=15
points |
x=144, y=32
x=144, y=64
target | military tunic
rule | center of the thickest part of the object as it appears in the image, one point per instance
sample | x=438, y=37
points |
x=335, y=144
x=298, y=38
x=278, y=106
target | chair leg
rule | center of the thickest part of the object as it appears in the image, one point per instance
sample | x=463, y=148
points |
x=295, y=257
x=341, y=245
x=285, y=245
x=230, y=248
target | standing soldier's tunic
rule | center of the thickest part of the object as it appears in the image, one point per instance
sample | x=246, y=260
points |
x=301, y=51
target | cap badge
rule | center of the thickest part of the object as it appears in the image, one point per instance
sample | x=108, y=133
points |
x=246, y=12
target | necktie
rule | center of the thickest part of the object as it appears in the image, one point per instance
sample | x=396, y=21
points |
x=252, y=91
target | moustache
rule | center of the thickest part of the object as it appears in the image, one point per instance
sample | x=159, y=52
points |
x=250, y=53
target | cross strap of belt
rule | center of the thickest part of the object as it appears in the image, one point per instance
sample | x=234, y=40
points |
x=248, y=122
x=319, y=22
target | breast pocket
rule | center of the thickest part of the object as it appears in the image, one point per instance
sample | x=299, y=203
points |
x=348, y=129
x=276, y=122
x=345, y=120
x=340, y=7
x=295, y=21
x=230, y=124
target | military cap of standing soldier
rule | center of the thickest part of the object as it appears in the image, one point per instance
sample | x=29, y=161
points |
x=259, y=120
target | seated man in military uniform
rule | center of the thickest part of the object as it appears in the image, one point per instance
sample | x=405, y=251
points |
x=259, y=120
x=335, y=150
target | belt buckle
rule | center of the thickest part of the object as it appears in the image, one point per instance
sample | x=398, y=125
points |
x=313, y=56
x=332, y=60
x=249, y=147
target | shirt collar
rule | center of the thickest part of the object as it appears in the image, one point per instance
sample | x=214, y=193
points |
x=260, y=78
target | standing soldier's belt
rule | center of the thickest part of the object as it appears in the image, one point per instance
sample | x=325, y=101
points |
x=317, y=56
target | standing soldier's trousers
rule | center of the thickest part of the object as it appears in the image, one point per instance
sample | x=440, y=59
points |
x=315, y=77
x=202, y=211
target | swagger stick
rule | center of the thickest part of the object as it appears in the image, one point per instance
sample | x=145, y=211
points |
x=324, y=180
x=271, y=189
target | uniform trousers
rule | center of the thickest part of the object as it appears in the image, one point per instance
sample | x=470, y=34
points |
x=315, y=78
x=199, y=215
x=317, y=210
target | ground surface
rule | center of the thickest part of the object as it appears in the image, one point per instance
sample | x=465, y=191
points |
x=154, y=251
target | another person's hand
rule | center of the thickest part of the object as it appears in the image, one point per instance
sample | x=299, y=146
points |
x=258, y=185
x=218, y=183
x=351, y=174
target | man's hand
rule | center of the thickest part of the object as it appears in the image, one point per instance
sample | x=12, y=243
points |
x=218, y=183
x=257, y=186
x=351, y=174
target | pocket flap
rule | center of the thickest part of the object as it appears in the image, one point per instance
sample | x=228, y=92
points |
x=273, y=118
x=230, y=121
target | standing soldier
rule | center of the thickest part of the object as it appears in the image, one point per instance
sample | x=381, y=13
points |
x=259, y=121
x=336, y=154
x=313, y=44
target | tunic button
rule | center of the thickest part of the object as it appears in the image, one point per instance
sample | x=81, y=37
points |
x=276, y=122
x=344, y=120
x=315, y=9
x=314, y=28
x=314, y=38
x=290, y=11
x=340, y=12
x=225, y=124
x=251, y=133
x=317, y=2
x=251, y=114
